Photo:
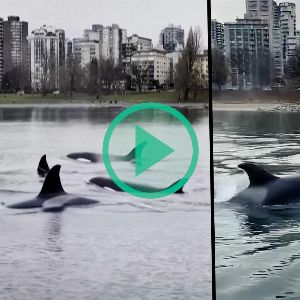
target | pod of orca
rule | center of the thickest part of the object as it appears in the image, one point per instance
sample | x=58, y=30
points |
x=53, y=197
x=266, y=189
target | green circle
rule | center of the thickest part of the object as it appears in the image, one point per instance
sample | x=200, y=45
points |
x=148, y=106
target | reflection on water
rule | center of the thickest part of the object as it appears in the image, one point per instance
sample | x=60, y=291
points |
x=123, y=248
x=66, y=113
x=257, y=249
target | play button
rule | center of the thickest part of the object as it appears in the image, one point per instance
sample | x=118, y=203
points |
x=149, y=150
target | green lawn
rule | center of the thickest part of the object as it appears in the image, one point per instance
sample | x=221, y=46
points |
x=131, y=96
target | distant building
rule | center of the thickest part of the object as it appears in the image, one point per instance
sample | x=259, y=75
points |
x=62, y=46
x=155, y=66
x=174, y=56
x=292, y=44
x=110, y=39
x=287, y=24
x=85, y=51
x=247, y=45
x=15, y=34
x=259, y=9
x=45, y=46
x=276, y=44
x=113, y=37
x=217, y=35
x=1, y=52
x=132, y=45
x=202, y=66
x=137, y=43
x=172, y=38
x=69, y=53
x=69, y=49
x=91, y=35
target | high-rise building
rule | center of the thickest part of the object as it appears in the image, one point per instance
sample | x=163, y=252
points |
x=269, y=11
x=99, y=29
x=292, y=44
x=15, y=34
x=276, y=44
x=217, y=35
x=62, y=46
x=1, y=52
x=113, y=37
x=259, y=9
x=287, y=25
x=247, y=49
x=45, y=47
x=85, y=50
x=69, y=52
x=110, y=39
x=91, y=35
x=172, y=38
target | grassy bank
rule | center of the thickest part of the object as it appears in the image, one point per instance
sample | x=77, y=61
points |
x=283, y=95
x=130, y=97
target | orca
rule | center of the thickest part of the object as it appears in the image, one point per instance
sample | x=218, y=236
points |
x=43, y=167
x=104, y=182
x=266, y=189
x=94, y=157
x=52, y=196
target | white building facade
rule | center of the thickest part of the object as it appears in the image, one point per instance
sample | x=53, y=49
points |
x=85, y=50
x=44, y=44
x=156, y=65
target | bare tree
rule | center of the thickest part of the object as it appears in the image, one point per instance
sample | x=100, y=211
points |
x=187, y=62
x=219, y=68
x=140, y=73
x=74, y=73
x=197, y=81
x=93, y=77
x=49, y=70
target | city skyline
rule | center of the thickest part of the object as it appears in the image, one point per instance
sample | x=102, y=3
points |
x=88, y=12
x=238, y=9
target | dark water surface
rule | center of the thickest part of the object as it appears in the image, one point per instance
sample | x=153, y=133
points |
x=123, y=248
x=257, y=250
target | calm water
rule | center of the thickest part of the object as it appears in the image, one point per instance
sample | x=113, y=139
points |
x=123, y=248
x=257, y=250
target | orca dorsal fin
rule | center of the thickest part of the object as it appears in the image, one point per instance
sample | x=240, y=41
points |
x=131, y=155
x=52, y=184
x=257, y=175
x=43, y=167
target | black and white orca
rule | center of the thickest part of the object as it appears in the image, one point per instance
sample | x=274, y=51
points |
x=52, y=196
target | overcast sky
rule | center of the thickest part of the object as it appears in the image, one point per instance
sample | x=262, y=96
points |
x=236, y=8
x=144, y=17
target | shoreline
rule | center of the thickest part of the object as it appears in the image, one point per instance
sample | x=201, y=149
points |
x=268, y=106
x=92, y=104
